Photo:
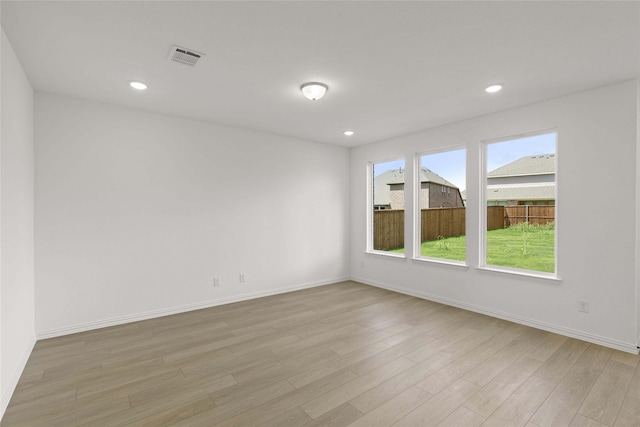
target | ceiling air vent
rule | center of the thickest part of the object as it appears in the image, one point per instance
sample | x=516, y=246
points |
x=185, y=56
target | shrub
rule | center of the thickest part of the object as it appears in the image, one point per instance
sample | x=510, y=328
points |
x=442, y=244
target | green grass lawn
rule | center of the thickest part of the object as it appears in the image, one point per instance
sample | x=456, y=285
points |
x=522, y=246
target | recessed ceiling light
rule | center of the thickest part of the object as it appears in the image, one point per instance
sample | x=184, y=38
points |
x=348, y=132
x=497, y=87
x=138, y=85
x=314, y=90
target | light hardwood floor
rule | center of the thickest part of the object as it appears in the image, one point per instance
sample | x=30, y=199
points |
x=343, y=354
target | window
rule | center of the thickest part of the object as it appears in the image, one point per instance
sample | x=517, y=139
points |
x=441, y=217
x=520, y=193
x=387, y=206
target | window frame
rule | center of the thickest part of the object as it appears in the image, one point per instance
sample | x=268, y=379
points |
x=417, y=225
x=482, y=250
x=370, y=209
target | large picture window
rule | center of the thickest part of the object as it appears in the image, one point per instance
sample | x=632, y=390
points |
x=442, y=216
x=520, y=194
x=387, y=208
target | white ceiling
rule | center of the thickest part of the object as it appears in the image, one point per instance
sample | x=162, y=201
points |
x=392, y=67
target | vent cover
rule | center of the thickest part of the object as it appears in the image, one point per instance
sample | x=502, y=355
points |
x=185, y=56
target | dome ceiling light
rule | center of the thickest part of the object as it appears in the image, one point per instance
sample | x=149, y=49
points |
x=314, y=90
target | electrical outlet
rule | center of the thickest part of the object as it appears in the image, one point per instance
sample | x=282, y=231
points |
x=241, y=277
x=583, y=305
x=216, y=281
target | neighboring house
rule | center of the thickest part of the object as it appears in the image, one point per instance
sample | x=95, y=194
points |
x=435, y=191
x=530, y=180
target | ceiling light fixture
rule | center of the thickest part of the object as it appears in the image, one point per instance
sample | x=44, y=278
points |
x=497, y=87
x=348, y=132
x=138, y=85
x=314, y=90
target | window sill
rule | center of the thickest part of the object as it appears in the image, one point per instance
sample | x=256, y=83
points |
x=387, y=254
x=441, y=261
x=549, y=277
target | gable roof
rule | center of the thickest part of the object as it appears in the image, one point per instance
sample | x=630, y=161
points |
x=426, y=175
x=527, y=165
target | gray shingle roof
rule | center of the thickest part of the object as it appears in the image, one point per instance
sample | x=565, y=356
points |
x=527, y=165
x=381, y=191
x=426, y=175
x=534, y=192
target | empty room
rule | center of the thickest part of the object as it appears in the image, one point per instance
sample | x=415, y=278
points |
x=319, y=213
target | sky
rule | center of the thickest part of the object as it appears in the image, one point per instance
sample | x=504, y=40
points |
x=451, y=165
x=501, y=153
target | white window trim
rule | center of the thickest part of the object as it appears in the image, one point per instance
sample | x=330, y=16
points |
x=442, y=261
x=417, y=223
x=482, y=252
x=370, y=210
x=552, y=277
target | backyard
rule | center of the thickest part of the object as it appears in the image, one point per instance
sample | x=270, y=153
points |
x=525, y=246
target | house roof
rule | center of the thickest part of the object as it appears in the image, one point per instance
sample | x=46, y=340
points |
x=381, y=182
x=527, y=165
x=426, y=175
x=521, y=192
x=381, y=191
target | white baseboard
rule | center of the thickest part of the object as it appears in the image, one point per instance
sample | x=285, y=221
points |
x=52, y=333
x=15, y=377
x=595, y=339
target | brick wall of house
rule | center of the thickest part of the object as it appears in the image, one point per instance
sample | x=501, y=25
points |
x=442, y=196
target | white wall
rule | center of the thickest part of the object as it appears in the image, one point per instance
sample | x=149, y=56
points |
x=17, y=335
x=137, y=212
x=597, y=143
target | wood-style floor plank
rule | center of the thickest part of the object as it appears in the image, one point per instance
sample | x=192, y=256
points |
x=336, y=355
x=565, y=401
x=393, y=409
x=629, y=414
x=439, y=407
x=462, y=417
x=605, y=399
x=522, y=404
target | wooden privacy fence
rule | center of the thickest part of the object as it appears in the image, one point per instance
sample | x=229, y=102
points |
x=442, y=222
x=495, y=217
x=388, y=225
x=388, y=229
x=536, y=214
